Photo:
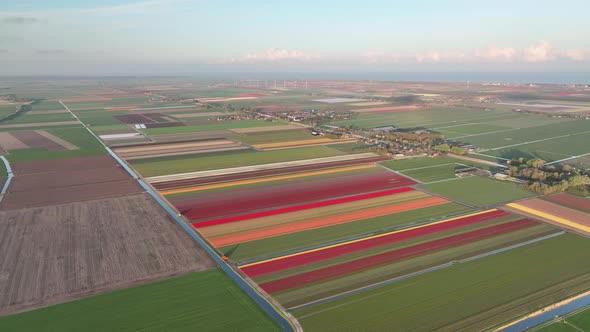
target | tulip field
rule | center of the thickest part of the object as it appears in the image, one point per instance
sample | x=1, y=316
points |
x=315, y=227
x=342, y=238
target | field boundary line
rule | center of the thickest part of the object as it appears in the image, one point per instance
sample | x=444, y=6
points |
x=487, y=155
x=449, y=179
x=536, y=141
x=421, y=272
x=487, y=133
x=276, y=312
x=417, y=168
x=451, y=200
x=456, y=125
x=400, y=174
x=8, y=178
x=569, y=158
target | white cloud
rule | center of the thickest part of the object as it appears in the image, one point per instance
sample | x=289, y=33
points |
x=277, y=55
x=539, y=52
x=536, y=53
x=492, y=53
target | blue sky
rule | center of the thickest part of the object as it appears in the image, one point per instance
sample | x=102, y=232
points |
x=172, y=36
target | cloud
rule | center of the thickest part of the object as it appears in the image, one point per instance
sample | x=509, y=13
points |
x=3, y=50
x=51, y=52
x=492, y=53
x=19, y=20
x=277, y=55
x=575, y=54
x=539, y=52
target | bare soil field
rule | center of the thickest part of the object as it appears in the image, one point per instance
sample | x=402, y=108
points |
x=554, y=214
x=62, y=195
x=65, y=144
x=161, y=149
x=165, y=124
x=43, y=139
x=65, y=165
x=58, y=253
x=10, y=142
x=36, y=181
x=133, y=118
x=571, y=200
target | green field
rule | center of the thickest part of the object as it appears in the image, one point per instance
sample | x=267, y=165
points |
x=442, y=118
x=208, y=127
x=579, y=321
x=38, y=118
x=47, y=105
x=469, y=129
x=3, y=171
x=191, y=163
x=483, y=293
x=88, y=145
x=99, y=117
x=434, y=117
x=427, y=169
x=524, y=135
x=202, y=301
x=275, y=137
x=6, y=110
x=550, y=150
x=93, y=105
x=435, y=173
x=478, y=191
x=105, y=129
x=340, y=232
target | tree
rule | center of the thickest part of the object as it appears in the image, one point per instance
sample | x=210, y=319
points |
x=442, y=148
x=458, y=150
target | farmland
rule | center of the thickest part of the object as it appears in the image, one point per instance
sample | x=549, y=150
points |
x=478, y=191
x=100, y=260
x=342, y=204
x=178, y=304
x=515, y=281
x=554, y=213
x=161, y=166
x=576, y=322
